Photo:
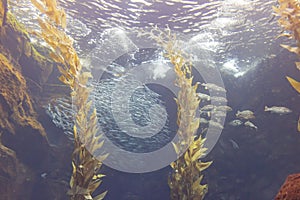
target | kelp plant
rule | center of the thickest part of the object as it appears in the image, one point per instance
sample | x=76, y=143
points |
x=3, y=11
x=186, y=177
x=85, y=177
x=289, y=13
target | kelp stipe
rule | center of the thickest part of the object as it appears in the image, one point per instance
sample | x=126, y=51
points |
x=186, y=177
x=3, y=11
x=85, y=178
x=289, y=12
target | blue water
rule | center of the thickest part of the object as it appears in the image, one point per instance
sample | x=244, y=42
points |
x=247, y=164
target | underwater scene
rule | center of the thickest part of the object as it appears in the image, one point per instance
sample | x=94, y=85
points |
x=150, y=99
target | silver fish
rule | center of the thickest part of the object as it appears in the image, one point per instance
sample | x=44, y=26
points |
x=224, y=108
x=219, y=99
x=204, y=97
x=213, y=86
x=234, y=144
x=215, y=124
x=235, y=122
x=219, y=113
x=203, y=121
x=207, y=108
x=44, y=175
x=250, y=124
x=245, y=114
x=278, y=110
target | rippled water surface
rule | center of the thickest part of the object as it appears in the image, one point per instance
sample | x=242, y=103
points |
x=240, y=33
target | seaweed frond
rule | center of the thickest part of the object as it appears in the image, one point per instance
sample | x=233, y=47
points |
x=85, y=177
x=3, y=11
x=289, y=19
x=186, y=177
x=50, y=8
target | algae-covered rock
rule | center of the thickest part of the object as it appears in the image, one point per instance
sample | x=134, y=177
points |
x=15, y=42
x=14, y=177
x=18, y=120
x=16, y=105
x=25, y=153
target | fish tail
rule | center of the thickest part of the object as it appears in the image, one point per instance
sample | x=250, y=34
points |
x=266, y=108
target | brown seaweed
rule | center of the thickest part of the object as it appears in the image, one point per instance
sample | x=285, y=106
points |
x=289, y=19
x=186, y=177
x=3, y=11
x=85, y=177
